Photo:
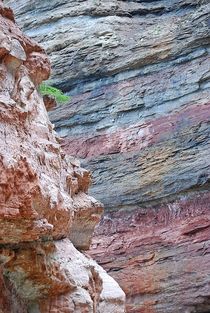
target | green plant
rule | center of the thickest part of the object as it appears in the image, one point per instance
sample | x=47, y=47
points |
x=46, y=90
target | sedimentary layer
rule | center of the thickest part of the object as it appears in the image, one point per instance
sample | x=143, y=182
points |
x=138, y=76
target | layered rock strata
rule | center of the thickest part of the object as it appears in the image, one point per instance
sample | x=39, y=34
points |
x=138, y=74
x=160, y=255
x=43, y=198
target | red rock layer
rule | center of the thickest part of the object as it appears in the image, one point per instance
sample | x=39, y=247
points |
x=159, y=255
x=141, y=135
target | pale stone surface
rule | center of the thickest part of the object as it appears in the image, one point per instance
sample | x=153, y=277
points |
x=55, y=277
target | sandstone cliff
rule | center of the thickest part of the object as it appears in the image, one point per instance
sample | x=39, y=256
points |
x=43, y=198
x=138, y=73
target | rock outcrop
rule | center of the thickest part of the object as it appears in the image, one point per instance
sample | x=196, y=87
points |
x=43, y=198
x=138, y=74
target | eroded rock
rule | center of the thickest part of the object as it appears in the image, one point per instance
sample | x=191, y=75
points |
x=138, y=76
x=43, y=198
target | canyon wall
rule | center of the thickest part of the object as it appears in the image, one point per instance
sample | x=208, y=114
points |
x=43, y=198
x=138, y=73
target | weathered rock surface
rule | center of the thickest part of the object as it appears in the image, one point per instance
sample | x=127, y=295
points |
x=55, y=277
x=138, y=74
x=160, y=255
x=43, y=198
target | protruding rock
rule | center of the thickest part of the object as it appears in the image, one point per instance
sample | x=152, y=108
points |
x=43, y=198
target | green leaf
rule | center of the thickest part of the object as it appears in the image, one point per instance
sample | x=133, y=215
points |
x=46, y=90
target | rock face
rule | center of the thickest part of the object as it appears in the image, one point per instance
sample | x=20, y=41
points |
x=138, y=74
x=43, y=198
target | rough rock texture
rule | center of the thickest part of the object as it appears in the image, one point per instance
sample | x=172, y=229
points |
x=139, y=76
x=43, y=198
x=160, y=255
